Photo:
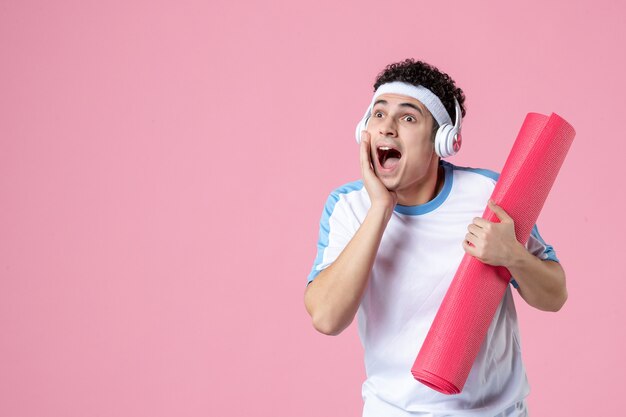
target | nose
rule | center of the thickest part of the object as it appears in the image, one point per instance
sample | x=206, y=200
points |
x=387, y=127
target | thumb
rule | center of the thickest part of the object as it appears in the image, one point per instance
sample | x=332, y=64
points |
x=499, y=211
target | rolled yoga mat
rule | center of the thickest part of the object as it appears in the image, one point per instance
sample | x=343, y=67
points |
x=461, y=324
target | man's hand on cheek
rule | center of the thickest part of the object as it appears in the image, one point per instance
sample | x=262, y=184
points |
x=493, y=243
x=379, y=195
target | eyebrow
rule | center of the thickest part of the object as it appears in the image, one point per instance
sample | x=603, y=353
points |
x=411, y=105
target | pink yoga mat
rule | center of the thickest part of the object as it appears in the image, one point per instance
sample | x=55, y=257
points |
x=460, y=326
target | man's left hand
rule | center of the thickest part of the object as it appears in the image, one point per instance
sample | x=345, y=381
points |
x=493, y=243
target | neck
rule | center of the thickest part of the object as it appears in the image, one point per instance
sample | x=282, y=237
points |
x=427, y=189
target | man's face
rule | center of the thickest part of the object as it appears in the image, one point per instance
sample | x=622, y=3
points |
x=403, y=153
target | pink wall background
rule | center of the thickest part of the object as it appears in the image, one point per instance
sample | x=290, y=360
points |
x=164, y=164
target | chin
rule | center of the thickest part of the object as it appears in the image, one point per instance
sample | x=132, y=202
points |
x=390, y=184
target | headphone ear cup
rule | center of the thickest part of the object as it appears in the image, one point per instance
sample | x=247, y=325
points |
x=441, y=140
x=448, y=137
x=447, y=141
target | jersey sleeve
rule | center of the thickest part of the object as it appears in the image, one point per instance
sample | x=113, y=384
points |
x=538, y=247
x=337, y=226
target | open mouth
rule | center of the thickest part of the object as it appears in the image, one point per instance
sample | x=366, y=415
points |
x=388, y=157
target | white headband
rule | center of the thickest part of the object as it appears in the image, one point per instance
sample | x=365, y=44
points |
x=418, y=92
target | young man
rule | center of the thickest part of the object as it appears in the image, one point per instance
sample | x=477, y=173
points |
x=391, y=242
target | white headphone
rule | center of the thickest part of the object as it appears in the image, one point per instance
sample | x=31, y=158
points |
x=447, y=138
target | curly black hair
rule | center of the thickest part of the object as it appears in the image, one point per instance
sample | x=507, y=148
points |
x=421, y=73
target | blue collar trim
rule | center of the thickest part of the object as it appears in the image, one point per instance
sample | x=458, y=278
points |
x=435, y=202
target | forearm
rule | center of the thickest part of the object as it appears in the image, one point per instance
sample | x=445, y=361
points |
x=333, y=298
x=541, y=283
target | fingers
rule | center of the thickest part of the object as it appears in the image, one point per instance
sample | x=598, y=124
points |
x=477, y=231
x=378, y=193
x=365, y=151
x=365, y=135
x=469, y=248
x=491, y=242
x=472, y=239
x=499, y=212
x=480, y=222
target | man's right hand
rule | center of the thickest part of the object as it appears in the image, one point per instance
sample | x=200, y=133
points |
x=380, y=196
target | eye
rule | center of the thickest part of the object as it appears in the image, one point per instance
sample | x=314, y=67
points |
x=410, y=118
x=378, y=114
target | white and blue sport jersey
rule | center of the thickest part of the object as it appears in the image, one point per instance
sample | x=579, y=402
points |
x=418, y=256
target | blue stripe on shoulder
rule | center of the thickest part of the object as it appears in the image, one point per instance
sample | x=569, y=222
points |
x=322, y=242
x=485, y=172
